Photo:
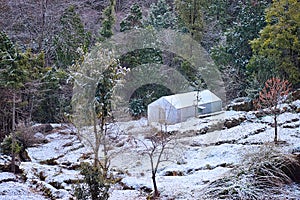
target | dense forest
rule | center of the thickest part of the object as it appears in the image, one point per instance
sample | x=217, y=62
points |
x=250, y=41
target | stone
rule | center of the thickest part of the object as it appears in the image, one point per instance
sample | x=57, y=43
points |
x=241, y=104
x=39, y=136
x=5, y=164
x=295, y=95
x=43, y=128
x=229, y=123
x=202, y=131
x=7, y=176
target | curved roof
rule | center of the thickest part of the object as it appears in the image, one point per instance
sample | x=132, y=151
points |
x=190, y=98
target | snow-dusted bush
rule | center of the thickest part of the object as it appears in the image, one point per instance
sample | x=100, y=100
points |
x=95, y=185
x=137, y=108
x=262, y=176
x=24, y=138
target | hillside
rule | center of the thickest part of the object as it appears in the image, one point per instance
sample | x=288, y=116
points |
x=77, y=78
x=197, y=163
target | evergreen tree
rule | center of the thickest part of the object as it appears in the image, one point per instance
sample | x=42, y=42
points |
x=161, y=16
x=12, y=74
x=133, y=19
x=236, y=51
x=277, y=50
x=20, y=75
x=13, y=77
x=190, y=14
x=109, y=20
x=71, y=37
x=54, y=97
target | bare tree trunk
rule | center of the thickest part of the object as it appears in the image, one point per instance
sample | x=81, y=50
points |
x=97, y=141
x=275, y=126
x=156, y=193
x=105, y=149
x=13, y=137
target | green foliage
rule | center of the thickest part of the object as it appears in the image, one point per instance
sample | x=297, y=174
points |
x=137, y=107
x=161, y=16
x=277, y=49
x=95, y=186
x=133, y=19
x=6, y=46
x=19, y=78
x=221, y=11
x=141, y=56
x=253, y=87
x=191, y=74
x=54, y=97
x=7, y=146
x=145, y=95
x=71, y=37
x=190, y=14
x=109, y=20
x=236, y=51
x=13, y=73
x=106, y=86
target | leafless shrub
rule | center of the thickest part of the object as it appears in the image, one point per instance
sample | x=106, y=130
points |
x=263, y=176
x=157, y=147
x=26, y=136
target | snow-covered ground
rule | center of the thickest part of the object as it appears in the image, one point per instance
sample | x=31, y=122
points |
x=196, y=159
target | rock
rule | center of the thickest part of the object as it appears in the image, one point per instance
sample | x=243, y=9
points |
x=5, y=164
x=295, y=95
x=43, y=128
x=39, y=136
x=15, y=190
x=24, y=157
x=202, y=130
x=51, y=191
x=295, y=105
x=120, y=144
x=250, y=116
x=7, y=176
x=173, y=173
x=241, y=104
x=229, y=123
x=181, y=161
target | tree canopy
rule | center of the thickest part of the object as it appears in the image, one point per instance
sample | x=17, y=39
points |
x=277, y=49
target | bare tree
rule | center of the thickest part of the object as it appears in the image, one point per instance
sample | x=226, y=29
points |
x=156, y=148
x=272, y=95
x=93, y=98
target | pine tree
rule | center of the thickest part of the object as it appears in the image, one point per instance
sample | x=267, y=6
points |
x=109, y=21
x=71, y=37
x=161, y=16
x=277, y=49
x=13, y=77
x=190, y=14
x=133, y=19
x=234, y=54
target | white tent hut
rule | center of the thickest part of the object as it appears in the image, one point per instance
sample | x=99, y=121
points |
x=179, y=107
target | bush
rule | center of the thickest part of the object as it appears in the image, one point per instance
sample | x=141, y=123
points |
x=6, y=146
x=137, y=108
x=145, y=95
x=260, y=177
x=24, y=138
x=95, y=186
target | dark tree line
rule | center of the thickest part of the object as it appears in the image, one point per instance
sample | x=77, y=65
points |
x=249, y=41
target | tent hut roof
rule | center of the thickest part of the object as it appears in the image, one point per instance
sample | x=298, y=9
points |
x=189, y=99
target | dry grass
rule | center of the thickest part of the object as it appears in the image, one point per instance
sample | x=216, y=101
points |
x=265, y=174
